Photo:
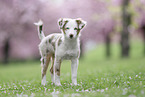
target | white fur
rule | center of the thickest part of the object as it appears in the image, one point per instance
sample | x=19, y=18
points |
x=64, y=46
x=41, y=35
x=52, y=77
x=43, y=82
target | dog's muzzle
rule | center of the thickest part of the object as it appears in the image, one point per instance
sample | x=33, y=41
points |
x=71, y=36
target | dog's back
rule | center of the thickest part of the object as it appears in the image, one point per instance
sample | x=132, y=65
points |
x=47, y=44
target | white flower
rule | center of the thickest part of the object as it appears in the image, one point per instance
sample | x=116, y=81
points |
x=48, y=89
x=98, y=90
x=77, y=90
x=82, y=90
x=142, y=91
x=75, y=95
x=124, y=92
x=136, y=75
x=4, y=91
x=131, y=95
x=130, y=78
x=102, y=90
x=32, y=95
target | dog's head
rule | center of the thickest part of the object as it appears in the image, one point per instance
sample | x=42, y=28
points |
x=71, y=27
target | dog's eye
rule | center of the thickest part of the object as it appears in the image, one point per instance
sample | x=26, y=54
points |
x=75, y=29
x=67, y=28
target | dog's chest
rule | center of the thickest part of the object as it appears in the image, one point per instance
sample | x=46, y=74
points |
x=68, y=51
x=69, y=54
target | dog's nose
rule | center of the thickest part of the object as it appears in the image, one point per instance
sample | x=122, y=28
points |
x=71, y=35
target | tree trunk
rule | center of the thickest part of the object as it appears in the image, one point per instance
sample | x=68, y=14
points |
x=6, y=50
x=126, y=21
x=108, y=40
x=144, y=38
x=144, y=42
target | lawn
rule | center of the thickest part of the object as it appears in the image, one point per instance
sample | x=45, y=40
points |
x=98, y=76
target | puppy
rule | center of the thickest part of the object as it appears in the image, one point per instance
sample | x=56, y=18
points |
x=57, y=47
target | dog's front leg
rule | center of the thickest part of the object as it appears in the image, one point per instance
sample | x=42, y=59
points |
x=74, y=67
x=57, y=64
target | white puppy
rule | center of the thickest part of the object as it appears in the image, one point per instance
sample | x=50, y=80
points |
x=60, y=46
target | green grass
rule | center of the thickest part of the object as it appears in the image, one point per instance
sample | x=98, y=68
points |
x=97, y=76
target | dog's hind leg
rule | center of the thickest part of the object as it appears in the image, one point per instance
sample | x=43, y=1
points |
x=44, y=62
x=51, y=69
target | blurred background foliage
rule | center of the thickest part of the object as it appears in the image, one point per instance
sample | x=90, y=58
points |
x=108, y=21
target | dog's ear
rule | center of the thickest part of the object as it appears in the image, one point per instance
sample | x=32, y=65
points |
x=62, y=22
x=81, y=23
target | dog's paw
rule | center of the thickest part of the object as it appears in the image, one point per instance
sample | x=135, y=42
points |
x=75, y=84
x=52, y=77
x=58, y=84
x=57, y=80
x=43, y=83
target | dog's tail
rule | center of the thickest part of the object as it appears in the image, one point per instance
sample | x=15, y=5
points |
x=40, y=32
